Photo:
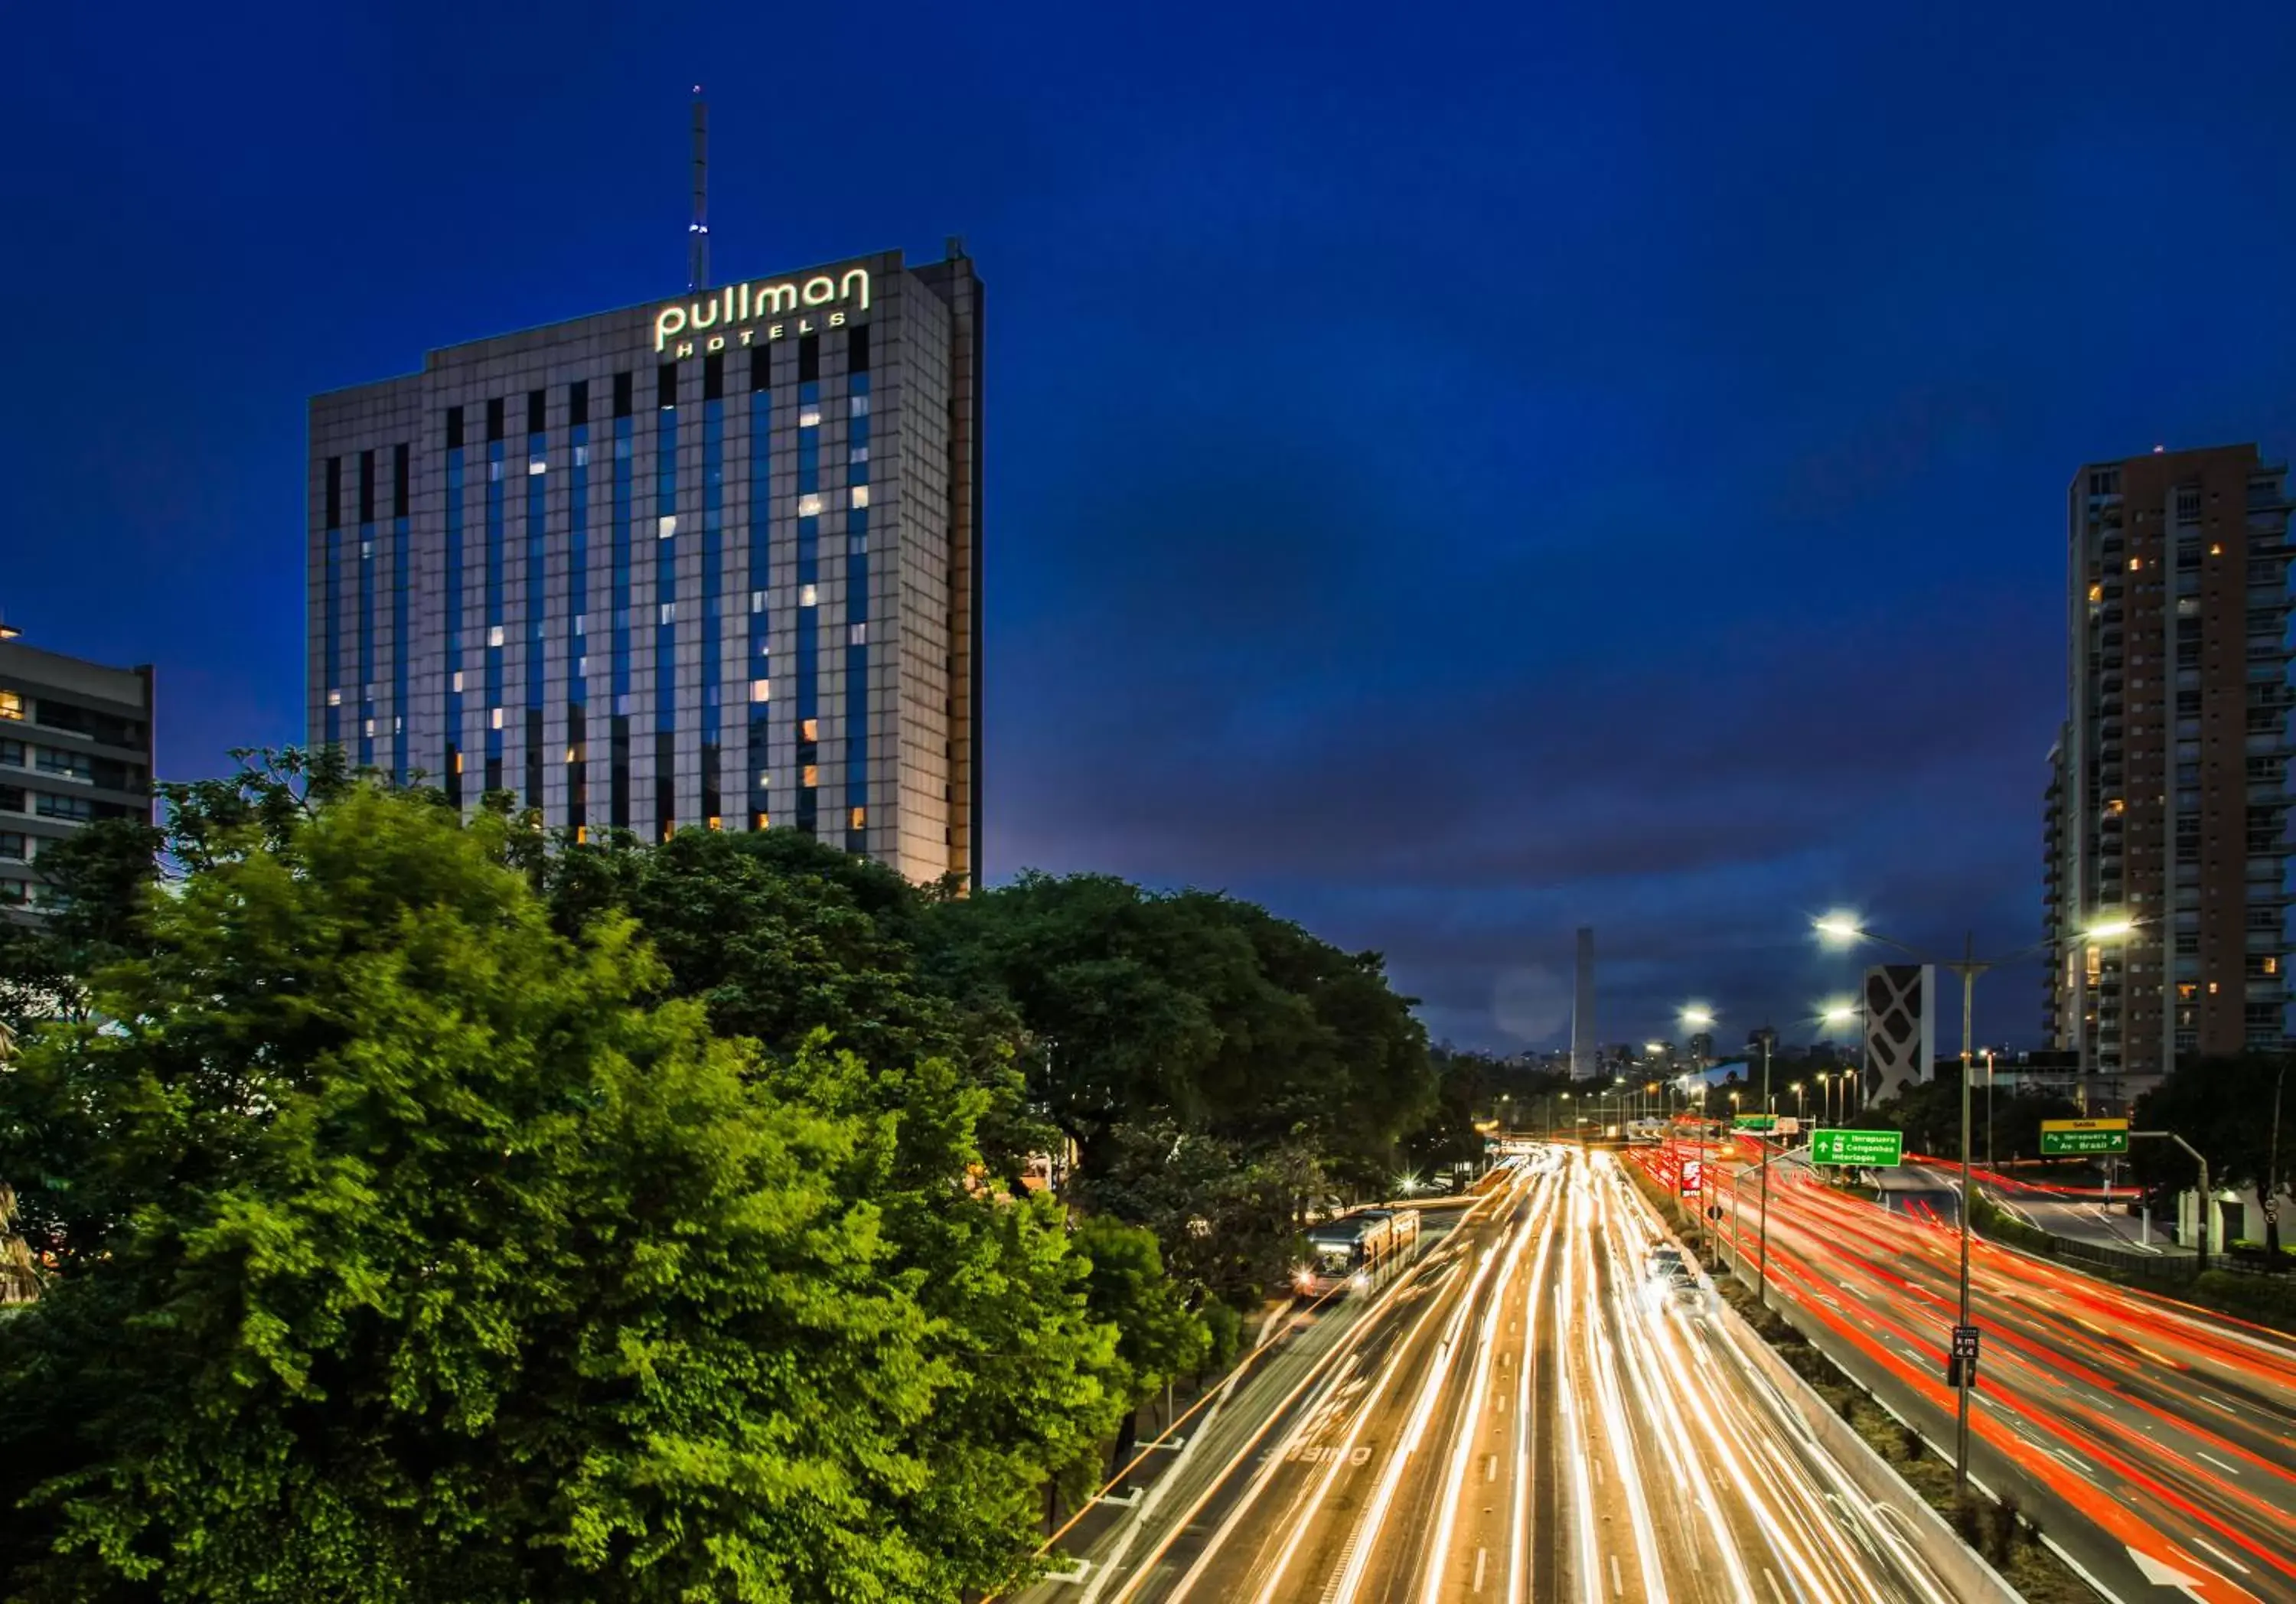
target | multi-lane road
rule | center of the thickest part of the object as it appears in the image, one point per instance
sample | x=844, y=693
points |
x=1512, y=1417
x=2156, y=1443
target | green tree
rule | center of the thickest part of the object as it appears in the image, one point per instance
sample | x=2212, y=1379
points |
x=2222, y=1106
x=1227, y=1214
x=96, y=877
x=1157, y=1338
x=410, y=1254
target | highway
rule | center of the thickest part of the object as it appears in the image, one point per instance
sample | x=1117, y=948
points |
x=1509, y=1418
x=2154, y=1442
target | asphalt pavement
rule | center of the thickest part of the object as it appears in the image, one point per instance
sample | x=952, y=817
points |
x=2153, y=1442
x=1515, y=1416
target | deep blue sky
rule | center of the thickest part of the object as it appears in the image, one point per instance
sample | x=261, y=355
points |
x=1455, y=474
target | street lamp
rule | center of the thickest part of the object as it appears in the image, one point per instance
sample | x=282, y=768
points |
x=1798, y=1106
x=1843, y=929
x=1845, y=1013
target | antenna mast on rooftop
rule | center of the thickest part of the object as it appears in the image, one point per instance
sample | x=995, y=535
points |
x=698, y=231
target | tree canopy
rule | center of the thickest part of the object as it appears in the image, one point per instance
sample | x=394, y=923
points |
x=444, y=1209
x=411, y=1252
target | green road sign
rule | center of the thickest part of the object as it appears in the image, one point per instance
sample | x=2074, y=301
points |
x=2061, y=1138
x=1754, y=1122
x=1874, y=1150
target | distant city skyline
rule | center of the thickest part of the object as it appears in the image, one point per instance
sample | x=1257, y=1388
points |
x=1541, y=472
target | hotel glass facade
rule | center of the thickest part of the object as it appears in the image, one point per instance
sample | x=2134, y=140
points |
x=711, y=562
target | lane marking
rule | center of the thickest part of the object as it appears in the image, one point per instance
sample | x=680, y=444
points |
x=1618, y=1587
x=1480, y=1558
x=2219, y=1553
x=1771, y=1577
x=1490, y=1467
x=2219, y=1464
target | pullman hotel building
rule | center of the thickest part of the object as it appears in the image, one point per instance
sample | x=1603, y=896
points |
x=712, y=562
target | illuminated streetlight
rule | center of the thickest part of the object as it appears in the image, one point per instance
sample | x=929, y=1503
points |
x=1840, y=927
x=1699, y=1016
x=1845, y=928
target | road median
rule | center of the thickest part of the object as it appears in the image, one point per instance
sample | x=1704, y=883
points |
x=1884, y=1457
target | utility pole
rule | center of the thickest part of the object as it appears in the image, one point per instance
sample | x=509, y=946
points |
x=1969, y=969
x=2208, y=1203
x=2271, y=1175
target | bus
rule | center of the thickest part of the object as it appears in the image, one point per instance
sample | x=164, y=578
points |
x=1346, y=1254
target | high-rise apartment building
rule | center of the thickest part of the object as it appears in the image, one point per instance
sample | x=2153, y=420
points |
x=75, y=747
x=2167, y=802
x=711, y=562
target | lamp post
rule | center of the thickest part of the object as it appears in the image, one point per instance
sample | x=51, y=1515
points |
x=1825, y=1096
x=1798, y=1101
x=1842, y=1013
x=2271, y=1175
x=1843, y=929
x=1988, y=1108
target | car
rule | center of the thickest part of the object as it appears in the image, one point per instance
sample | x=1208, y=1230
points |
x=1686, y=1296
x=1663, y=1262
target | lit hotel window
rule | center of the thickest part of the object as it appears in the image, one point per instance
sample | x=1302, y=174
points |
x=458, y=681
x=715, y=822
x=762, y=691
x=757, y=601
x=860, y=495
x=859, y=454
x=808, y=595
x=857, y=634
x=809, y=775
x=860, y=818
x=861, y=404
x=537, y=465
x=808, y=728
x=809, y=506
x=334, y=699
x=494, y=634
x=668, y=525
x=494, y=714
x=2134, y=564
x=11, y=705
x=809, y=417
x=670, y=612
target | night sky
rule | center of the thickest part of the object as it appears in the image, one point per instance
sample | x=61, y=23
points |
x=1454, y=475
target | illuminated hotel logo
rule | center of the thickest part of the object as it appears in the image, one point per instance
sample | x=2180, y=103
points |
x=727, y=317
